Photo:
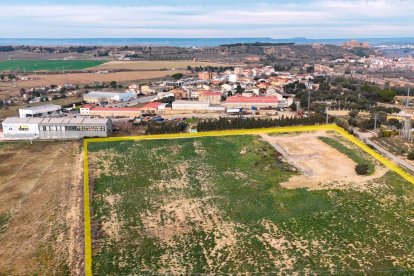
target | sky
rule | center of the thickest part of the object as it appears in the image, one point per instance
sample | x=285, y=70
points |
x=212, y=18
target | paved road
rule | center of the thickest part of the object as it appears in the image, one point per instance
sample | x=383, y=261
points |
x=398, y=160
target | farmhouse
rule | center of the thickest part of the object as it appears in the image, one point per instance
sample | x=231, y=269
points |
x=100, y=96
x=249, y=102
x=39, y=111
x=15, y=128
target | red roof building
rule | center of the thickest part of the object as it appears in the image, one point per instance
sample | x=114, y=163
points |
x=154, y=107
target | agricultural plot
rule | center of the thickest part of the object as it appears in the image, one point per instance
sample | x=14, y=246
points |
x=229, y=205
x=156, y=65
x=47, y=65
x=40, y=208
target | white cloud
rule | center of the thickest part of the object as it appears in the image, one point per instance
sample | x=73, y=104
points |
x=320, y=18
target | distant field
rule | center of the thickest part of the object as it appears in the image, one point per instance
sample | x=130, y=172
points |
x=156, y=65
x=47, y=65
x=229, y=205
x=85, y=78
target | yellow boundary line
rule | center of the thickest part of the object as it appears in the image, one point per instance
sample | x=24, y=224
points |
x=86, y=194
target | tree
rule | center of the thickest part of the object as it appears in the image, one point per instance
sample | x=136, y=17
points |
x=177, y=76
x=341, y=122
x=113, y=84
x=324, y=87
x=381, y=116
x=353, y=113
x=410, y=155
x=22, y=92
x=361, y=169
x=239, y=89
x=310, y=69
x=387, y=95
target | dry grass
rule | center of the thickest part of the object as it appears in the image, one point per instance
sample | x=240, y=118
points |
x=11, y=111
x=155, y=65
x=85, y=78
x=40, y=195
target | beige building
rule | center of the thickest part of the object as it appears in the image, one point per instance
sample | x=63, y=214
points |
x=110, y=112
x=209, y=97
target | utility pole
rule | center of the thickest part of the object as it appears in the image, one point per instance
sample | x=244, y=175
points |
x=308, y=100
x=327, y=116
x=375, y=122
x=408, y=96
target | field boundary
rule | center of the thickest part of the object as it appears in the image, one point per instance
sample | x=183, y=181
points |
x=291, y=129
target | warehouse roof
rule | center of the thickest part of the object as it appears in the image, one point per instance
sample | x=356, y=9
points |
x=42, y=107
x=18, y=120
x=115, y=108
x=103, y=94
x=237, y=99
x=188, y=102
x=54, y=121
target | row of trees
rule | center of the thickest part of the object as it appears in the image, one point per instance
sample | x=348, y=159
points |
x=248, y=123
x=165, y=127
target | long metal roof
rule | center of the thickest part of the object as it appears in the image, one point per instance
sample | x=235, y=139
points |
x=54, y=121
x=42, y=107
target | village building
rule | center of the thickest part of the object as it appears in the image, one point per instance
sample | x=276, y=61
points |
x=209, y=97
x=249, y=102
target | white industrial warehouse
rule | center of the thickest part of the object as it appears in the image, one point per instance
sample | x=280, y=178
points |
x=15, y=128
x=103, y=96
x=39, y=111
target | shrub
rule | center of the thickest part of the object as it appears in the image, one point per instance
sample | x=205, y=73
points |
x=410, y=155
x=361, y=169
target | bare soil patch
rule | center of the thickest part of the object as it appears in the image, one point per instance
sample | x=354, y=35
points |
x=321, y=166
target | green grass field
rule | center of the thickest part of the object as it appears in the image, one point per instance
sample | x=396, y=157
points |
x=47, y=65
x=214, y=205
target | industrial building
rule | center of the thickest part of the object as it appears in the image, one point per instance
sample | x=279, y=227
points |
x=181, y=106
x=249, y=102
x=15, y=128
x=110, y=112
x=100, y=96
x=39, y=111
